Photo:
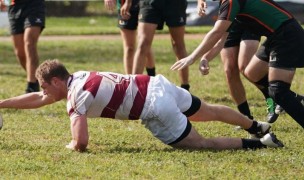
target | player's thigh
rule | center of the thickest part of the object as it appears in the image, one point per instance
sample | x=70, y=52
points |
x=247, y=50
x=256, y=69
x=229, y=57
x=206, y=112
x=145, y=33
x=128, y=37
x=177, y=35
x=285, y=75
x=18, y=43
x=31, y=34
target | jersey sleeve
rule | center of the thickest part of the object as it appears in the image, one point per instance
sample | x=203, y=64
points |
x=228, y=10
x=78, y=103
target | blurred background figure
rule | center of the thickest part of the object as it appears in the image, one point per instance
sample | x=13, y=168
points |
x=26, y=21
x=152, y=16
x=127, y=22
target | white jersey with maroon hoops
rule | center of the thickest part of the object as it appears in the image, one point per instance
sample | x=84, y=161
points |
x=156, y=101
x=106, y=94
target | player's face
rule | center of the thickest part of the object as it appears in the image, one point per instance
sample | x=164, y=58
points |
x=50, y=89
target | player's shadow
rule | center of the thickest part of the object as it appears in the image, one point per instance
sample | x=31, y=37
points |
x=139, y=150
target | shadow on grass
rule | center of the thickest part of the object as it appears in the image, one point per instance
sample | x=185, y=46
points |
x=141, y=150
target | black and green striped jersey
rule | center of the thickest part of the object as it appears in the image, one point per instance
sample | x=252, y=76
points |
x=261, y=17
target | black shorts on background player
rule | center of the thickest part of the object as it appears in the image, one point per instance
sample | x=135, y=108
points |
x=26, y=14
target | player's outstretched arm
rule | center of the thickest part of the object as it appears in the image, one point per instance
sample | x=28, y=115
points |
x=27, y=101
x=207, y=43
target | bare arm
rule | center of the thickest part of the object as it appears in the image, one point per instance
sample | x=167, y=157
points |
x=110, y=4
x=211, y=54
x=207, y=43
x=125, y=9
x=27, y=101
x=2, y=6
x=80, y=135
x=201, y=7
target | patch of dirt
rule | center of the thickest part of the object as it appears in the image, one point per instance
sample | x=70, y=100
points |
x=99, y=37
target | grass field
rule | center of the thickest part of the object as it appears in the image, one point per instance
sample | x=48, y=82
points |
x=32, y=142
x=90, y=26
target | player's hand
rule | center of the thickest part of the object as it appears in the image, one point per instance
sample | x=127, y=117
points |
x=110, y=4
x=204, y=67
x=71, y=145
x=2, y=6
x=125, y=11
x=182, y=63
x=201, y=7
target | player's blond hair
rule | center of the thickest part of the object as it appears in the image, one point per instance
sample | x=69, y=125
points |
x=51, y=68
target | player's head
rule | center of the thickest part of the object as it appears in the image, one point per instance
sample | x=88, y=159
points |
x=51, y=68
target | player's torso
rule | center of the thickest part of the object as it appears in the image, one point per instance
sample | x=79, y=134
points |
x=105, y=94
x=260, y=16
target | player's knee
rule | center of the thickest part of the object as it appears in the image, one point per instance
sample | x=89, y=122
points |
x=189, y=140
x=231, y=72
x=250, y=75
x=278, y=90
x=242, y=68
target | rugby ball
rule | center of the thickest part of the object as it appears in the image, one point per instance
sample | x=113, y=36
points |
x=1, y=121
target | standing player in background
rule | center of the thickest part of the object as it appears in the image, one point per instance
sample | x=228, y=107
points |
x=27, y=20
x=279, y=55
x=127, y=22
x=152, y=16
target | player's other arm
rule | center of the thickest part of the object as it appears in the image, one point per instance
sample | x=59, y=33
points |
x=211, y=54
x=80, y=135
x=212, y=37
x=208, y=42
x=27, y=101
x=2, y=5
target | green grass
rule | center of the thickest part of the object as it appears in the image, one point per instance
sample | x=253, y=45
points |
x=33, y=141
x=94, y=25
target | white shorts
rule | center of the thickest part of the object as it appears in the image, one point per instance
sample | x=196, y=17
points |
x=163, y=110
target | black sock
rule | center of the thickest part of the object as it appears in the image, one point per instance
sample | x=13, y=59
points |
x=185, y=86
x=263, y=86
x=150, y=71
x=254, y=128
x=32, y=87
x=286, y=99
x=252, y=144
x=299, y=97
x=244, y=109
x=265, y=92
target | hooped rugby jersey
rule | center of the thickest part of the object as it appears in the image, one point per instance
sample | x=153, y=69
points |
x=106, y=94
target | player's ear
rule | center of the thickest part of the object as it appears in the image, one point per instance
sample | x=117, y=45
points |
x=55, y=80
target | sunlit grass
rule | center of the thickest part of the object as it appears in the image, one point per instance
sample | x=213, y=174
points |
x=33, y=141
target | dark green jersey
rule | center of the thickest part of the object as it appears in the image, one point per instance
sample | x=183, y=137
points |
x=261, y=17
